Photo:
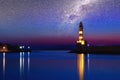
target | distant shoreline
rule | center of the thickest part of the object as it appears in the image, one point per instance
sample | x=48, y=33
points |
x=98, y=49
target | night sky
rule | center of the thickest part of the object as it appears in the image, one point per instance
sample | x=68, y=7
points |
x=56, y=21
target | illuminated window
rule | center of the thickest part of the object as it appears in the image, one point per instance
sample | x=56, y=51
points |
x=83, y=43
x=79, y=41
x=20, y=47
x=80, y=32
x=80, y=37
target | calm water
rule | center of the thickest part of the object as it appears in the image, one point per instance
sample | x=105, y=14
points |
x=58, y=65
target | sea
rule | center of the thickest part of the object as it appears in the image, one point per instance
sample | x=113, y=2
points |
x=59, y=65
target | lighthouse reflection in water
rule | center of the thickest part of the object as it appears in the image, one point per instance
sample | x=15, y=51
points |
x=83, y=64
x=58, y=65
x=80, y=63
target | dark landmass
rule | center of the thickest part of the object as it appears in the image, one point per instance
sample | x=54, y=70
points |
x=53, y=47
x=97, y=50
x=5, y=47
x=82, y=46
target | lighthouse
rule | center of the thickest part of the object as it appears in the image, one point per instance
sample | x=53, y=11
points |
x=81, y=40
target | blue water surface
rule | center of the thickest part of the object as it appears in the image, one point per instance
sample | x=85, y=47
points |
x=58, y=65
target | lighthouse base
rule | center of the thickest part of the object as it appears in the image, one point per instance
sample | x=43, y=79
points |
x=97, y=49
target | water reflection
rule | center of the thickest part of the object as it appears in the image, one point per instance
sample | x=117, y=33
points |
x=80, y=63
x=22, y=64
x=88, y=62
x=28, y=62
x=4, y=66
x=25, y=66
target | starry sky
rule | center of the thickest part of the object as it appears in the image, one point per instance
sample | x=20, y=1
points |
x=56, y=21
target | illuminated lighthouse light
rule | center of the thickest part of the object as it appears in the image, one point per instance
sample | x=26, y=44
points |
x=80, y=32
x=81, y=39
x=82, y=42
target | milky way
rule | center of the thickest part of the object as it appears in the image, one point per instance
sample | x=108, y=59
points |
x=35, y=19
x=78, y=10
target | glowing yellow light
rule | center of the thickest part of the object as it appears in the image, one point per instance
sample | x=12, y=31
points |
x=82, y=42
x=80, y=32
x=80, y=63
x=80, y=37
x=4, y=47
x=79, y=41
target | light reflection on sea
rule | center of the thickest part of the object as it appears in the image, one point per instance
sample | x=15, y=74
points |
x=58, y=65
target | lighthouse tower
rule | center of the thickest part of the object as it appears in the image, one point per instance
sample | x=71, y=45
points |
x=81, y=40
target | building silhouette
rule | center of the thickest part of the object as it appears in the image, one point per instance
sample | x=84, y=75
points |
x=81, y=43
x=83, y=47
x=81, y=40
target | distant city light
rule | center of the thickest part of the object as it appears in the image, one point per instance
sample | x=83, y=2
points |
x=88, y=44
x=20, y=47
x=28, y=47
x=23, y=46
x=4, y=47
